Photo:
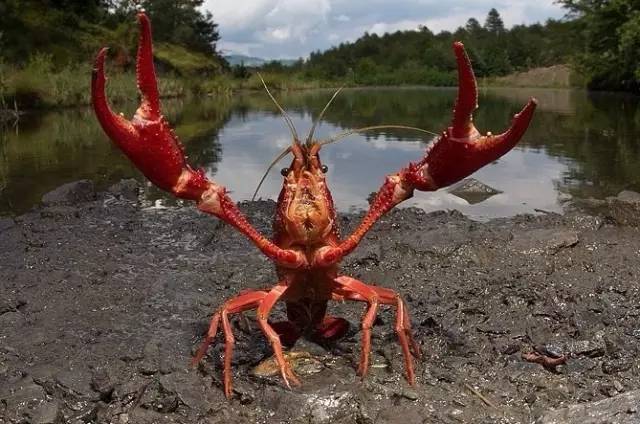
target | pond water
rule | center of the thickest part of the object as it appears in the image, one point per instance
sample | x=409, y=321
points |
x=579, y=145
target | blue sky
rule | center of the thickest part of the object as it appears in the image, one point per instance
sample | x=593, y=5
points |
x=278, y=29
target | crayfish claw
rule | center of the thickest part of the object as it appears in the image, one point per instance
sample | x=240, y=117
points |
x=467, y=99
x=145, y=72
x=461, y=149
x=116, y=126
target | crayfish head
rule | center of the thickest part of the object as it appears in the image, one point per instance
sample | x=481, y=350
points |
x=307, y=208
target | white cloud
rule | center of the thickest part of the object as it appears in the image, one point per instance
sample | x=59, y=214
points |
x=294, y=28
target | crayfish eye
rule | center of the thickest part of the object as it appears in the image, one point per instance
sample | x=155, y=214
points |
x=284, y=172
x=324, y=169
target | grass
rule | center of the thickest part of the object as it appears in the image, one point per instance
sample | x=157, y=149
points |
x=41, y=85
x=38, y=85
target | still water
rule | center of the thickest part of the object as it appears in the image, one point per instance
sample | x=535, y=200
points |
x=579, y=145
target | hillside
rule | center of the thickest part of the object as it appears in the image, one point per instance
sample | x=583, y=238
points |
x=556, y=76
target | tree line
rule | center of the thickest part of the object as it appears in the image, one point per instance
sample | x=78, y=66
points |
x=424, y=57
x=608, y=52
x=600, y=39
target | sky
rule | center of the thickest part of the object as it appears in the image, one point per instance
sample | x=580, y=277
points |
x=283, y=29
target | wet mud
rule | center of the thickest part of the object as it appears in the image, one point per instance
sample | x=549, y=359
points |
x=104, y=299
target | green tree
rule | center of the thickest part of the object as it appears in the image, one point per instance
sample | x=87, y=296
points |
x=494, y=23
x=176, y=21
x=611, y=31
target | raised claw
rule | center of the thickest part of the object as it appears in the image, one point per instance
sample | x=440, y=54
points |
x=461, y=149
x=147, y=139
x=457, y=153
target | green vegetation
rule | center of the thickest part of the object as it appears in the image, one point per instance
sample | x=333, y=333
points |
x=610, y=35
x=47, y=46
x=421, y=57
x=599, y=40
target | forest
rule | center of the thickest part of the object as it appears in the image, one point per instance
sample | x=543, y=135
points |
x=46, y=48
x=599, y=39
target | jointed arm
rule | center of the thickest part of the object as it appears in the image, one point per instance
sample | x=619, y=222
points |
x=457, y=153
x=152, y=146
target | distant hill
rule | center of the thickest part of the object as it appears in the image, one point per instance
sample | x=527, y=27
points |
x=237, y=59
x=252, y=61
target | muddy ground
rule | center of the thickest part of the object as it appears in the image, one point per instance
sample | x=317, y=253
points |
x=104, y=300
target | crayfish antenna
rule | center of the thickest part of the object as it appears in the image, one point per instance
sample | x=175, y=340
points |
x=319, y=118
x=286, y=117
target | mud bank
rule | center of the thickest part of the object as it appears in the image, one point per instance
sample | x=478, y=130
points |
x=104, y=300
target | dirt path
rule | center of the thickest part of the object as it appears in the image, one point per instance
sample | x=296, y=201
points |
x=103, y=302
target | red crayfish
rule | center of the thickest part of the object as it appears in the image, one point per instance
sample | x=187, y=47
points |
x=306, y=248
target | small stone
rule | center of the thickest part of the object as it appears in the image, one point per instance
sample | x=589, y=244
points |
x=622, y=408
x=625, y=208
x=126, y=189
x=303, y=363
x=410, y=394
x=101, y=383
x=304, y=345
x=509, y=348
x=592, y=348
x=616, y=365
x=530, y=398
x=456, y=414
x=550, y=350
x=70, y=193
x=618, y=386
x=549, y=241
x=47, y=413
x=473, y=191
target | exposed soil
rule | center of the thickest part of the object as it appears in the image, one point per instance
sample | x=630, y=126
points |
x=556, y=76
x=104, y=300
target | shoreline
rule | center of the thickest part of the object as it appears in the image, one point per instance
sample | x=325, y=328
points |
x=238, y=88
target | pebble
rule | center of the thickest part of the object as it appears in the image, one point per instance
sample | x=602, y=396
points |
x=615, y=366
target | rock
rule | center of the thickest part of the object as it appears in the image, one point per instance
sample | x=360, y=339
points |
x=47, y=413
x=616, y=365
x=6, y=223
x=302, y=363
x=625, y=208
x=10, y=305
x=156, y=397
x=549, y=241
x=188, y=388
x=101, y=383
x=77, y=381
x=304, y=345
x=70, y=194
x=410, y=394
x=473, y=191
x=592, y=348
x=620, y=409
x=11, y=319
x=618, y=386
x=21, y=398
x=128, y=189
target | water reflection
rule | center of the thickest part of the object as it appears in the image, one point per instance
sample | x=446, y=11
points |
x=579, y=145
